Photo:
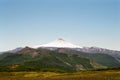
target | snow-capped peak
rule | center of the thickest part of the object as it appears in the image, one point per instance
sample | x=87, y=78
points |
x=59, y=43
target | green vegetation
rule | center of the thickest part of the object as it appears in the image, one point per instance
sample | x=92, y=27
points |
x=48, y=60
x=30, y=59
x=103, y=59
x=12, y=58
x=41, y=64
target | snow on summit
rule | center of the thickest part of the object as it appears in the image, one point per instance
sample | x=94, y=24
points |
x=60, y=43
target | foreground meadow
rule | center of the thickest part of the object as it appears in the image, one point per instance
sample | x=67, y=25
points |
x=86, y=75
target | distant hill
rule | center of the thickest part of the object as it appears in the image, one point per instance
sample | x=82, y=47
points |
x=61, y=58
x=58, y=55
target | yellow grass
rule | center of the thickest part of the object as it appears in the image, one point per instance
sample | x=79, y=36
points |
x=87, y=75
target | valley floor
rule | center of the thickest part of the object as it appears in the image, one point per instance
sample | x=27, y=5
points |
x=86, y=75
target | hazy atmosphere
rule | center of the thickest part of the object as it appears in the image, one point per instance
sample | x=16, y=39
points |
x=82, y=22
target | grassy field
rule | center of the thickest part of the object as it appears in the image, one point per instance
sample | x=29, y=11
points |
x=86, y=75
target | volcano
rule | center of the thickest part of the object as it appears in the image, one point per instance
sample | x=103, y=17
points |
x=59, y=43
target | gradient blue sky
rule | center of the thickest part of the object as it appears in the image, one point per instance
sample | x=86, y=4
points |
x=83, y=22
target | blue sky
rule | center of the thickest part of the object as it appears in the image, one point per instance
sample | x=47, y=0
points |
x=83, y=22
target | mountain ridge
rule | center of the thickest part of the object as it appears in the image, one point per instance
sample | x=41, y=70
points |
x=61, y=43
x=64, y=56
